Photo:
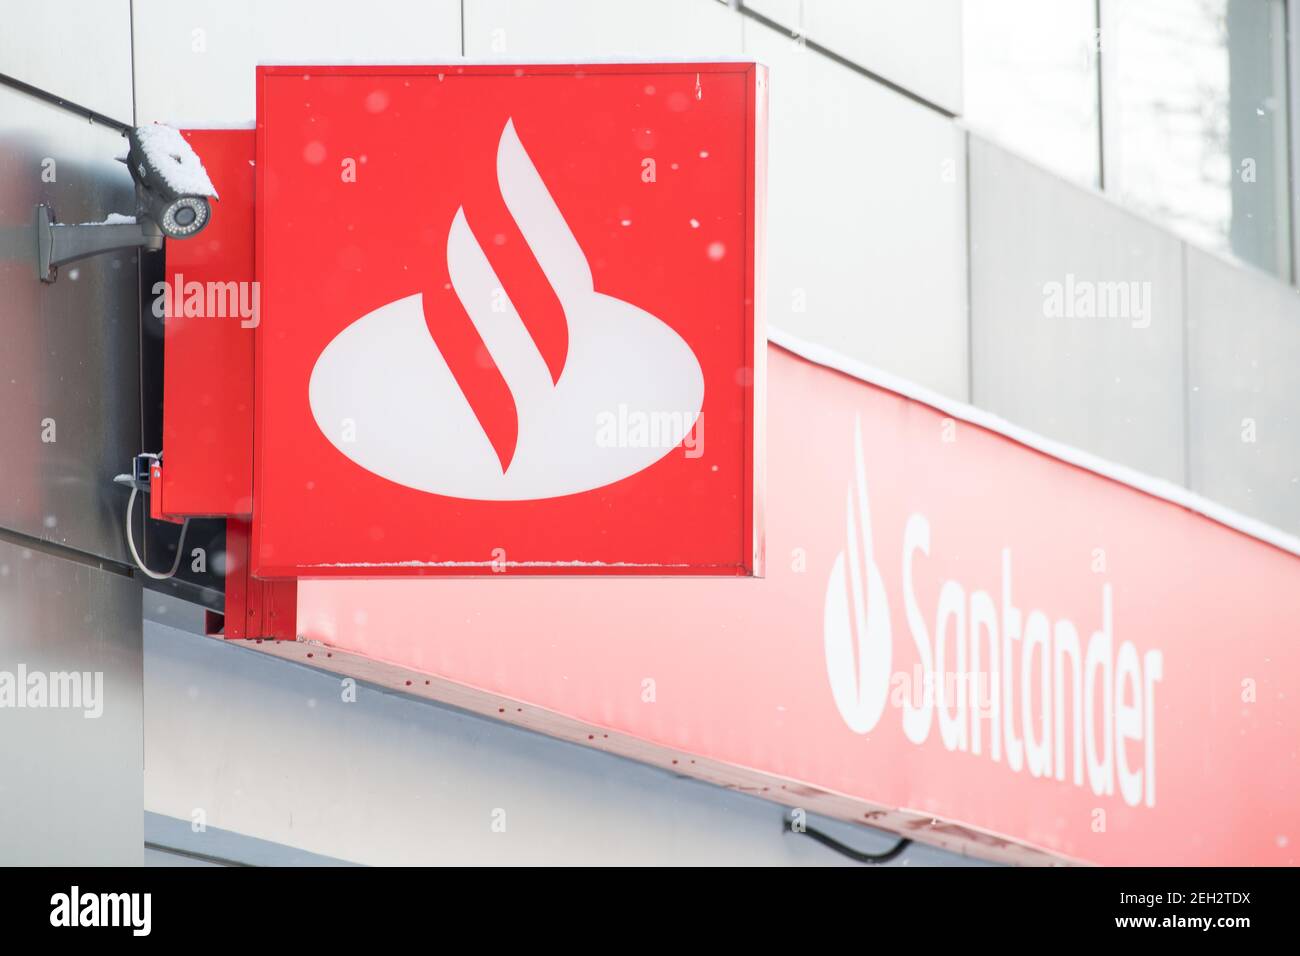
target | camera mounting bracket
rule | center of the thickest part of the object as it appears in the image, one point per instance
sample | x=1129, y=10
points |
x=57, y=243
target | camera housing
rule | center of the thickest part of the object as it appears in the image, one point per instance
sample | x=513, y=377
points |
x=173, y=197
x=172, y=188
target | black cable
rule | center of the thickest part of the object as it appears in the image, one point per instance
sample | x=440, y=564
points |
x=53, y=98
x=858, y=856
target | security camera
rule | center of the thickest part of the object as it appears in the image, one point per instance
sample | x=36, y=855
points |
x=172, y=188
x=172, y=197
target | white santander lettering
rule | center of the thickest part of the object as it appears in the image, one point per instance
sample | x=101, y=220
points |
x=917, y=718
x=1053, y=706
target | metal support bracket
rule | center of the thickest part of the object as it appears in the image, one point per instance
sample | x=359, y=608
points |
x=141, y=472
x=58, y=244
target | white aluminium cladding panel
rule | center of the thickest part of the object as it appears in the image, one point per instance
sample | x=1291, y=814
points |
x=594, y=30
x=79, y=50
x=916, y=44
x=866, y=217
x=195, y=61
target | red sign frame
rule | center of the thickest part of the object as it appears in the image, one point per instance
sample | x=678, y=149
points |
x=317, y=513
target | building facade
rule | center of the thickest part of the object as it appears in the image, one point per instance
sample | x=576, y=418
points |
x=1082, y=223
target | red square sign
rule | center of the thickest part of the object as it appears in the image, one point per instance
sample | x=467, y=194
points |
x=508, y=319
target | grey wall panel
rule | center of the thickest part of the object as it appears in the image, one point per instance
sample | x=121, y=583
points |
x=866, y=217
x=1106, y=377
x=1243, y=357
x=70, y=784
x=195, y=61
x=71, y=350
x=77, y=49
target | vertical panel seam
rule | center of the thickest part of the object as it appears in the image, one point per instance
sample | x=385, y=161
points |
x=1185, y=314
x=970, y=277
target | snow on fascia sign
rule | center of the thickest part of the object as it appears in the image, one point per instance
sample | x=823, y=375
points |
x=509, y=320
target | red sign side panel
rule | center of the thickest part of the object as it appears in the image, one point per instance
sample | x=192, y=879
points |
x=212, y=310
x=255, y=609
x=756, y=303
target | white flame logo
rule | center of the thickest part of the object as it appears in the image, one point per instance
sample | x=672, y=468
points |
x=411, y=423
x=856, y=624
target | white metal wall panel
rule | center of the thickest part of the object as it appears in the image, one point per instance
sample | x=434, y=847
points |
x=600, y=30
x=866, y=217
x=77, y=49
x=916, y=44
x=194, y=61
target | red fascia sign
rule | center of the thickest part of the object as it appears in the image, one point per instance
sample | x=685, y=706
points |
x=964, y=633
x=960, y=637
